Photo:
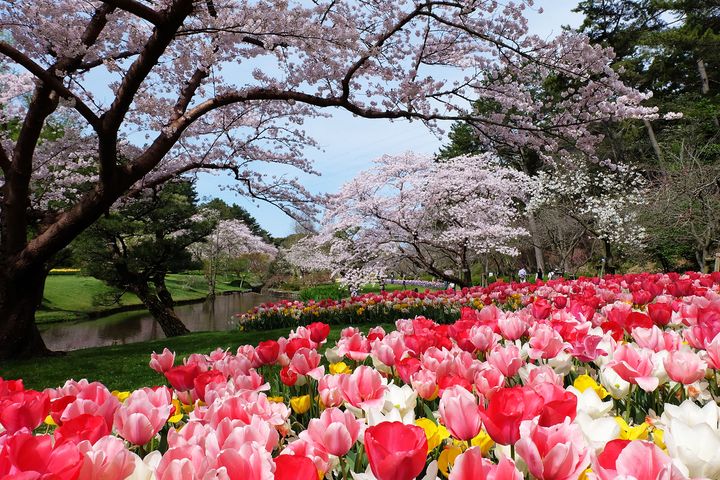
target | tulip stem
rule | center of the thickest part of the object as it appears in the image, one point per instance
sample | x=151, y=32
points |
x=358, y=457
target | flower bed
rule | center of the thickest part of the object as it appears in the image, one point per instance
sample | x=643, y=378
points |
x=604, y=379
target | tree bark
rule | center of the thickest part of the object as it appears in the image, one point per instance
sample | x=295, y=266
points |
x=539, y=259
x=171, y=325
x=20, y=297
x=653, y=139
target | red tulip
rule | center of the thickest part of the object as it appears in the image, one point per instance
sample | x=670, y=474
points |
x=296, y=344
x=206, y=378
x=36, y=456
x=83, y=427
x=560, y=302
x=660, y=313
x=25, y=409
x=541, y=308
x=319, y=331
x=9, y=386
x=182, y=377
x=288, y=377
x=507, y=408
x=294, y=467
x=268, y=351
x=396, y=451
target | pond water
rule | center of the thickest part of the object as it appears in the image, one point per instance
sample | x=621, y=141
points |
x=140, y=326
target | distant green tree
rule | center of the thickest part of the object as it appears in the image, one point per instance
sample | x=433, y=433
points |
x=134, y=247
x=236, y=212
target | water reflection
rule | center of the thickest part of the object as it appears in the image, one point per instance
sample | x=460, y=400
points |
x=140, y=326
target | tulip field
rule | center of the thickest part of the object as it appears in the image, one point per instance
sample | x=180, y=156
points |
x=612, y=378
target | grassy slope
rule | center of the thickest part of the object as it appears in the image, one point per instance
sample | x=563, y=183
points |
x=125, y=367
x=70, y=297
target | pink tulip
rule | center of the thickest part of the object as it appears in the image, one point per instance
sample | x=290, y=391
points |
x=330, y=391
x=143, y=414
x=471, y=465
x=94, y=399
x=306, y=361
x=335, y=430
x=249, y=462
x=685, y=367
x=506, y=359
x=558, y=452
x=355, y=347
x=483, y=337
x=488, y=380
x=634, y=366
x=424, y=382
x=712, y=349
x=512, y=326
x=364, y=388
x=460, y=413
x=183, y=463
x=544, y=342
x=162, y=362
x=637, y=459
x=106, y=459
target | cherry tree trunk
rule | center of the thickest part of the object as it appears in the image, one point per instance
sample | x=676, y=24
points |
x=20, y=296
x=165, y=315
x=539, y=258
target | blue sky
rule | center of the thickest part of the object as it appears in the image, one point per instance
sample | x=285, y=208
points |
x=348, y=144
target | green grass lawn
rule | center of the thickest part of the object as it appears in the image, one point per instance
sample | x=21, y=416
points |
x=75, y=297
x=125, y=367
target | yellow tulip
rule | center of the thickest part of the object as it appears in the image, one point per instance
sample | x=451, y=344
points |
x=339, y=367
x=179, y=411
x=276, y=399
x=584, y=474
x=435, y=433
x=49, y=421
x=447, y=459
x=300, y=404
x=583, y=382
x=483, y=441
x=637, y=432
x=658, y=437
x=120, y=395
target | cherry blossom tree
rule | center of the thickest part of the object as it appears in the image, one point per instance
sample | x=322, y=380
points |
x=230, y=240
x=165, y=87
x=605, y=200
x=436, y=216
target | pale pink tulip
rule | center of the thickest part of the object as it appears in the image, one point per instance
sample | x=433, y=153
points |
x=336, y=431
x=483, y=338
x=246, y=463
x=183, y=463
x=488, y=380
x=106, y=459
x=633, y=460
x=685, y=367
x=544, y=342
x=364, y=388
x=558, y=452
x=460, y=413
x=471, y=466
x=330, y=390
x=162, y=362
x=713, y=352
x=512, y=326
x=506, y=359
x=634, y=366
x=313, y=451
x=306, y=361
x=143, y=414
x=424, y=382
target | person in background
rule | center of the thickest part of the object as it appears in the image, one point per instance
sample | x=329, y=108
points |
x=522, y=274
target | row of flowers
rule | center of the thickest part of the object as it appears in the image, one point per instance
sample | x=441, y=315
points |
x=590, y=379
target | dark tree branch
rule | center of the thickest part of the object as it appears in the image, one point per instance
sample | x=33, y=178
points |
x=137, y=9
x=51, y=81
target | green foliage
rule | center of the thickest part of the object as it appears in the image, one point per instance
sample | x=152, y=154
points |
x=319, y=292
x=463, y=141
x=145, y=239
